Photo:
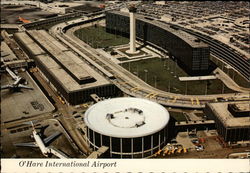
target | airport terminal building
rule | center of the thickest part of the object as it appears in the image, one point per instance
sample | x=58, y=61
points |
x=68, y=74
x=232, y=119
x=130, y=127
x=189, y=52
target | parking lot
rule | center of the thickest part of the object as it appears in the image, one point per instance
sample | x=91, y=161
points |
x=211, y=148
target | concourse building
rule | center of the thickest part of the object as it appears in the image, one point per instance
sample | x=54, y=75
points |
x=68, y=74
x=189, y=52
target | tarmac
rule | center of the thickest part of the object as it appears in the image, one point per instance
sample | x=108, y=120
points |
x=25, y=103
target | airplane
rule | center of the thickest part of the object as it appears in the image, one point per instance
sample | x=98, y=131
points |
x=17, y=84
x=42, y=143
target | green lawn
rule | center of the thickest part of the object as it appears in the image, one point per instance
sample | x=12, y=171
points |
x=158, y=71
x=161, y=71
x=97, y=37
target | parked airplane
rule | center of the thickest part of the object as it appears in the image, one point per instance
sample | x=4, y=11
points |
x=43, y=143
x=17, y=84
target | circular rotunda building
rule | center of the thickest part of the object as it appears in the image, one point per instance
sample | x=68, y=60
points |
x=130, y=127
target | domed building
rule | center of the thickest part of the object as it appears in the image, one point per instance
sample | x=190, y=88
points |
x=130, y=127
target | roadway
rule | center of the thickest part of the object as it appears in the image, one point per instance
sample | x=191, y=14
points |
x=131, y=84
x=66, y=119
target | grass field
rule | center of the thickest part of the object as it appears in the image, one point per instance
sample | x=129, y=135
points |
x=97, y=37
x=163, y=78
x=160, y=73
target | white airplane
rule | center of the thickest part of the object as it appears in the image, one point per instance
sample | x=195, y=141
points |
x=17, y=84
x=43, y=143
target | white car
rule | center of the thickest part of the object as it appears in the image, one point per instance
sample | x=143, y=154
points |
x=199, y=148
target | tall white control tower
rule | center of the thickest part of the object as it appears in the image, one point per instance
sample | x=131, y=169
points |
x=132, y=11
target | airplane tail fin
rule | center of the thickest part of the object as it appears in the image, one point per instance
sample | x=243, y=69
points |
x=42, y=129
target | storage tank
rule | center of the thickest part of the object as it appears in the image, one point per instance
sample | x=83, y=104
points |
x=130, y=127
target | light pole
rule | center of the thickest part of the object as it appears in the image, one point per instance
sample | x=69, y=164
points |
x=233, y=74
x=186, y=88
x=223, y=88
x=206, y=88
x=169, y=86
x=146, y=71
x=155, y=81
x=115, y=33
x=168, y=63
x=175, y=68
x=172, y=68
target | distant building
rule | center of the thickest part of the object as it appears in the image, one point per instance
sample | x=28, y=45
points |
x=160, y=2
x=232, y=119
x=189, y=52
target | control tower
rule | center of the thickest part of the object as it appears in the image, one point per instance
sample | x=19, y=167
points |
x=132, y=11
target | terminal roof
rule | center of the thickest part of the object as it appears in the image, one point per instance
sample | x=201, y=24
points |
x=221, y=111
x=126, y=117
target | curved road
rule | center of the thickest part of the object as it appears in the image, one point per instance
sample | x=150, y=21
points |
x=131, y=84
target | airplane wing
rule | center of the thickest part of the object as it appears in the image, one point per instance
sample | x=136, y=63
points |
x=28, y=144
x=18, y=80
x=25, y=87
x=5, y=87
x=12, y=74
x=51, y=138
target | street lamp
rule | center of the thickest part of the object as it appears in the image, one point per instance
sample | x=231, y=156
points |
x=223, y=88
x=155, y=81
x=81, y=35
x=186, y=88
x=175, y=68
x=168, y=63
x=206, y=88
x=146, y=71
x=171, y=69
x=169, y=86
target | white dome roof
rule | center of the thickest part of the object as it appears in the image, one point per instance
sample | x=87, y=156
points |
x=126, y=117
